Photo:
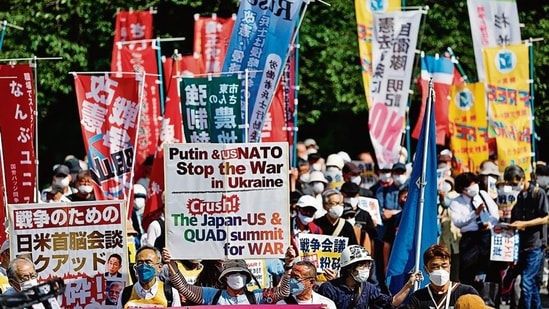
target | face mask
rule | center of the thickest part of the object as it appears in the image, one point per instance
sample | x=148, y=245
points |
x=399, y=180
x=316, y=167
x=28, y=284
x=304, y=219
x=472, y=190
x=336, y=211
x=542, y=181
x=518, y=187
x=446, y=187
x=139, y=203
x=236, y=281
x=296, y=287
x=305, y=177
x=146, y=272
x=446, y=202
x=318, y=187
x=385, y=177
x=439, y=277
x=85, y=189
x=352, y=221
x=356, y=180
x=351, y=200
x=362, y=275
x=63, y=182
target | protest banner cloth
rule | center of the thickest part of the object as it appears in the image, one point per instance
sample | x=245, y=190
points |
x=227, y=200
x=509, y=99
x=130, y=26
x=395, y=37
x=371, y=205
x=74, y=242
x=109, y=110
x=324, y=251
x=504, y=245
x=211, y=37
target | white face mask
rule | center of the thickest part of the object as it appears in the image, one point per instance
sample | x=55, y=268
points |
x=85, y=189
x=472, y=190
x=316, y=167
x=362, y=275
x=28, y=284
x=542, y=181
x=336, y=211
x=351, y=200
x=236, y=281
x=139, y=203
x=356, y=179
x=318, y=187
x=385, y=177
x=399, y=180
x=439, y=277
x=446, y=187
x=63, y=182
x=518, y=187
x=305, y=177
x=304, y=219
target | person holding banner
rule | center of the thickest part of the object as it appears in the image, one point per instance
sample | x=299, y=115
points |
x=234, y=276
x=528, y=216
x=352, y=289
x=301, y=287
x=441, y=291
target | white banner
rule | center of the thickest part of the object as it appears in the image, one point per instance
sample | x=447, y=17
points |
x=493, y=23
x=324, y=251
x=227, y=200
x=74, y=241
x=504, y=245
x=394, y=47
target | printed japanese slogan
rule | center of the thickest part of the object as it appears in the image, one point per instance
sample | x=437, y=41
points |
x=324, y=251
x=227, y=200
x=364, y=19
x=109, y=109
x=493, y=23
x=258, y=268
x=394, y=46
x=468, y=126
x=73, y=241
x=508, y=93
x=212, y=110
x=259, y=42
x=211, y=37
x=504, y=245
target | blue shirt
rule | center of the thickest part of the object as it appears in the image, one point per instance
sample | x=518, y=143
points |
x=342, y=295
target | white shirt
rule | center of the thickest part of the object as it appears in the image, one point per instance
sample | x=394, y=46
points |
x=463, y=215
x=316, y=299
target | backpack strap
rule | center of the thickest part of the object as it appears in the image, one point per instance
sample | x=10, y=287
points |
x=168, y=292
x=216, y=297
x=126, y=294
x=339, y=227
x=290, y=300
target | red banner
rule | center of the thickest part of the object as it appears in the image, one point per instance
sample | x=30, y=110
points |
x=17, y=125
x=109, y=110
x=211, y=38
x=131, y=26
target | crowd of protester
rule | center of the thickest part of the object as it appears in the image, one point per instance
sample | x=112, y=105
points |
x=325, y=199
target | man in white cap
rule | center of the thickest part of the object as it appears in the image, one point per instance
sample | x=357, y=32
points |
x=311, y=146
x=317, y=184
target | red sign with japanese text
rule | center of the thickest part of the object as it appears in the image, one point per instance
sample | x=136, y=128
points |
x=131, y=26
x=211, y=38
x=17, y=126
x=109, y=117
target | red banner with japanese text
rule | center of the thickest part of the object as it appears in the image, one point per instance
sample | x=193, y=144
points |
x=17, y=125
x=142, y=58
x=109, y=118
x=131, y=26
x=75, y=242
x=211, y=38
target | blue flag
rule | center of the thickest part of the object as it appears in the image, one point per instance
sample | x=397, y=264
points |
x=403, y=255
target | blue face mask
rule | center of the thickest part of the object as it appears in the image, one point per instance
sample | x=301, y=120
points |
x=296, y=287
x=146, y=272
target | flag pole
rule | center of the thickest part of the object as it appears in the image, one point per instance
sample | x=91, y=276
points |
x=422, y=182
x=457, y=64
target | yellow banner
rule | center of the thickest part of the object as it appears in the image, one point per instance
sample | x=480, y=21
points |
x=508, y=95
x=365, y=21
x=468, y=126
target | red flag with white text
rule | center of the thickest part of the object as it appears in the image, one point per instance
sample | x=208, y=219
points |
x=130, y=26
x=211, y=38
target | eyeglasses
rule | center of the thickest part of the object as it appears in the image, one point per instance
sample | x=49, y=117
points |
x=299, y=278
x=28, y=277
x=148, y=262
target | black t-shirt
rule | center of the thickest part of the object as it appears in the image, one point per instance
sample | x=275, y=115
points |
x=422, y=300
x=531, y=204
x=77, y=198
x=328, y=229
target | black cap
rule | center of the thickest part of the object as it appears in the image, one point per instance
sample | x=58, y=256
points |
x=399, y=167
x=74, y=165
x=350, y=188
x=61, y=171
x=350, y=167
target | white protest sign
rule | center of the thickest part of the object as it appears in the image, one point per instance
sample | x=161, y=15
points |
x=227, y=200
x=504, y=245
x=324, y=251
x=371, y=205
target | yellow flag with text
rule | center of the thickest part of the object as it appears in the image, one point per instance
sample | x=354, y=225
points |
x=508, y=95
x=364, y=19
x=468, y=126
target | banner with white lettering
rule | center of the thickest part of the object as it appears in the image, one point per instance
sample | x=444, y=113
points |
x=109, y=110
x=324, y=251
x=260, y=40
x=17, y=123
x=394, y=45
x=82, y=242
x=227, y=200
x=493, y=23
x=211, y=37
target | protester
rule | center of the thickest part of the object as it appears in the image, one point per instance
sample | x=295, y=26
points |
x=61, y=180
x=301, y=287
x=84, y=184
x=441, y=291
x=234, y=277
x=450, y=234
x=351, y=289
x=208, y=277
x=331, y=223
x=148, y=291
x=303, y=222
x=528, y=216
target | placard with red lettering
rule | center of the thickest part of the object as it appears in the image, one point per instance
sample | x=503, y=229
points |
x=74, y=241
x=504, y=245
x=227, y=200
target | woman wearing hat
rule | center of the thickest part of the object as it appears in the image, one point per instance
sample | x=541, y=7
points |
x=234, y=277
x=351, y=289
